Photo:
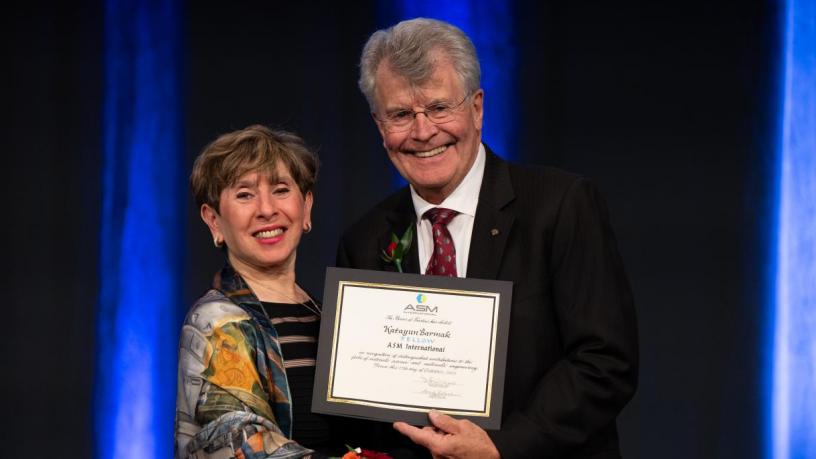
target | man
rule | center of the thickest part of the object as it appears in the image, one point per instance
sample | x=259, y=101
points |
x=572, y=357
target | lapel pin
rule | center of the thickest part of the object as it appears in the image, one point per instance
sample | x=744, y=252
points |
x=494, y=232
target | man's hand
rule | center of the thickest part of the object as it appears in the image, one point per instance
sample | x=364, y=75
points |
x=451, y=438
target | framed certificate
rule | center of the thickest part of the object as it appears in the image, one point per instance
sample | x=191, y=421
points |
x=394, y=346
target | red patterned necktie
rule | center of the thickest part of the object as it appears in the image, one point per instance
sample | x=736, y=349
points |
x=443, y=258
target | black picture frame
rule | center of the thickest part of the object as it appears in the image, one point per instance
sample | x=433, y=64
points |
x=323, y=401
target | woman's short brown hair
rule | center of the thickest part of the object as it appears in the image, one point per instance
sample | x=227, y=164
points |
x=254, y=148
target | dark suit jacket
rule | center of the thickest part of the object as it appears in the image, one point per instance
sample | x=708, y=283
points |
x=572, y=357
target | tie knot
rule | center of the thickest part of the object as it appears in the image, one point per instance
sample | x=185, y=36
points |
x=440, y=215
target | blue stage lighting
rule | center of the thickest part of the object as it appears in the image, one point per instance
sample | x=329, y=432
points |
x=143, y=220
x=793, y=400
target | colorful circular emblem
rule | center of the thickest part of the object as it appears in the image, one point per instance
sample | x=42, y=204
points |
x=421, y=298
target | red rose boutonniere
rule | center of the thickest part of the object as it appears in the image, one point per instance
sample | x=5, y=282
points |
x=397, y=249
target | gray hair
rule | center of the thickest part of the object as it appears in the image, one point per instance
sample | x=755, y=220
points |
x=408, y=49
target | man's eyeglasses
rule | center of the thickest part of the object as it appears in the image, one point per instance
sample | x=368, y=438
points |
x=403, y=120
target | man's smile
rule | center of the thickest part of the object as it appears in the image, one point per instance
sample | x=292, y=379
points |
x=430, y=153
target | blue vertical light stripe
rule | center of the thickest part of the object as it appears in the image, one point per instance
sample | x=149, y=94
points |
x=793, y=401
x=142, y=226
x=489, y=24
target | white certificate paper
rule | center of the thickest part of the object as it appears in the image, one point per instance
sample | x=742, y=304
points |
x=398, y=348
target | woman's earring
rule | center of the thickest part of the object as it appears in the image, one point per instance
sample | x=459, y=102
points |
x=308, y=228
x=217, y=242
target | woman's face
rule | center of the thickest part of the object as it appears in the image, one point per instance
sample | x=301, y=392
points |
x=261, y=220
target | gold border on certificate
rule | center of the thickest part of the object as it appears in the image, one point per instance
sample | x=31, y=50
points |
x=401, y=407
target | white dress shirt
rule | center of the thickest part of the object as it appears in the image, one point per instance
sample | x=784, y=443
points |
x=464, y=200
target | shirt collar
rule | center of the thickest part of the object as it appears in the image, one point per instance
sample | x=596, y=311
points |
x=465, y=197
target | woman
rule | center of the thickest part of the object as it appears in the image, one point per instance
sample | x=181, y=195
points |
x=237, y=395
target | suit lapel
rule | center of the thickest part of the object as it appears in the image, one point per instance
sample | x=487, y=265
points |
x=399, y=219
x=493, y=221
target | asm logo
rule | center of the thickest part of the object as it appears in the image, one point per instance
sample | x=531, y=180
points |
x=420, y=308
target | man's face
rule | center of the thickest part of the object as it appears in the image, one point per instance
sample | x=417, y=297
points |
x=434, y=158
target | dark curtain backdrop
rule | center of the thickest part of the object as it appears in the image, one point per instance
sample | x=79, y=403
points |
x=52, y=80
x=670, y=108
